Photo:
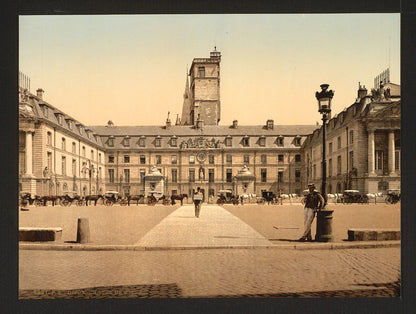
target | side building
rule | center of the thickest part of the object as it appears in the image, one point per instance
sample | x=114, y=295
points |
x=363, y=144
x=56, y=152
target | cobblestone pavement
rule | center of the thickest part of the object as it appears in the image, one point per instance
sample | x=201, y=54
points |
x=256, y=272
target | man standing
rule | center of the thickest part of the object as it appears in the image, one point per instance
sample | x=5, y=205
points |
x=197, y=201
x=313, y=201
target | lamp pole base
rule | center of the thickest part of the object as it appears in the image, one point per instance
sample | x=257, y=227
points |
x=324, y=226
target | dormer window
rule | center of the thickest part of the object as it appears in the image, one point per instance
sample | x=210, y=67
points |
x=262, y=141
x=45, y=111
x=228, y=141
x=110, y=141
x=142, y=141
x=89, y=135
x=246, y=141
x=296, y=141
x=174, y=141
x=158, y=141
x=280, y=141
x=70, y=124
x=126, y=141
x=59, y=117
x=341, y=119
x=354, y=110
x=81, y=130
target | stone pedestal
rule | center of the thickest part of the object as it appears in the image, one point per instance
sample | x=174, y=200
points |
x=324, y=226
x=83, y=231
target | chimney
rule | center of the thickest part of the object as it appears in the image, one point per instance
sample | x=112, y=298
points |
x=362, y=91
x=270, y=124
x=39, y=93
x=168, y=122
x=178, y=120
x=199, y=122
x=235, y=124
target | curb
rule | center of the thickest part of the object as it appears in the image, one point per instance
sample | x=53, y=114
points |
x=303, y=246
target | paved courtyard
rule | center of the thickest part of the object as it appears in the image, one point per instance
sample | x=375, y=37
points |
x=264, y=265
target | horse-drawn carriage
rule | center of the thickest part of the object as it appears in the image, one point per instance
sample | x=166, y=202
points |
x=354, y=196
x=393, y=196
x=269, y=197
x=226, y=197
x=71, y=197
x=112, y=197
x=156, y=197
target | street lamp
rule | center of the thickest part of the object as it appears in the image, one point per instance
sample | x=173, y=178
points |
x=324, y=216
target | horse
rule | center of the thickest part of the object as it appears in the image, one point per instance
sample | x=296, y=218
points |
x=94, y=198
x=179, y=197
x=52, y=198
x=26, y=198
x=374, y=195
x=136, y=198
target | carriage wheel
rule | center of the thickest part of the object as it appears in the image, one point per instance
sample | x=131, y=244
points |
x=80, y=203
x=151, y=202
x=108, y=203
x=123, y=202
x=389, y=199
x=38, y=203
x=65, y=202
x=235, y=202
x=220, y=202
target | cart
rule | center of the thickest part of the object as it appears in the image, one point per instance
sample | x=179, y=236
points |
x=226, y=197
x=354, y=196
x=112, y=197
x=393, y=196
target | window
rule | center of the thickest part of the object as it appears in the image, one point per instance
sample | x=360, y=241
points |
x=280, y=141
x=263, y=174
x=174, y=160
x=142, y=142
x=229, y=159
x=45, y=111
x=127, y=141
x=126, y=159
x=330, y=167
x=192, y=159
x=126, y=175
x=49, y=161
x=81, y=130
x=339, y=142
x=379, y=160
x=70, y=124
x=174, y=175
x=99, y=173
x=228, y=141
x=110, y=141
x=64, y=165
x=111, y=159
x=297, y=141
x=229, y=175
x=74, y=147
x=297, y=175
x=351, y=165
x=297, y=158
x=314, y=172
x=341, y=118
x=63, y=144
x=330, y=148
x=280, y=158
x=397, y=160
x=174, y=142
x=339, y=165
x=74, y=167
x=280, y=176
x=142, y=159
x=201, y=71
x=211, y=192
x=59, y=119
x=158, y=141
x=246, y=159
x=246, y=141
x=92, y=154
x=83, y=151
x=142, y=174
x=210, y=175
x=192, y=175
x=262, y=141
x=211, y=159
x=49, y=138
x=263, y=159
x=158, y=159
x=351, y=136
x=99, y=157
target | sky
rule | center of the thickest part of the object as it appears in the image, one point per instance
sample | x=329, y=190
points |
x=131, y=69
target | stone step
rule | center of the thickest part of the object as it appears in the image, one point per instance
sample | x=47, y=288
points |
x=356, y=234
x=39, y=234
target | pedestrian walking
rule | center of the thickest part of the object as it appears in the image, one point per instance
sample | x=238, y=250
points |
x=197, y=201
x=313, y=202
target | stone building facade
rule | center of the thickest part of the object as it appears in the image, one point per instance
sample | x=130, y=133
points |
x=58, y=153
x=363, y=144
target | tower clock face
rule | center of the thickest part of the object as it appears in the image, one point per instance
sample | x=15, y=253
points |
x=201, y=156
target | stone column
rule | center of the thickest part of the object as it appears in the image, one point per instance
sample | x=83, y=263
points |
x=391, y=153
x=28, y=153
x=371, y=147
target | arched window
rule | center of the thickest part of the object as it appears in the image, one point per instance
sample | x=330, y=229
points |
x=383, y=186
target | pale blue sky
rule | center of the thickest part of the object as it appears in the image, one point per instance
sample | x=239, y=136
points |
x=132, y=68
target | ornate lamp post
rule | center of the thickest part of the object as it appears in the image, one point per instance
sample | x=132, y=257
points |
x=324, y=216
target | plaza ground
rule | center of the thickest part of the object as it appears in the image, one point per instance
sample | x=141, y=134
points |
x=203, y=271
